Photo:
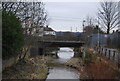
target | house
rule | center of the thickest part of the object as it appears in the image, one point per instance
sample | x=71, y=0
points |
x=48, y=31
x=44, y=31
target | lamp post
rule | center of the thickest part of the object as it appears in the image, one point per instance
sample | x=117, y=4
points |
x=83, y=30
x=83, y=25
x=98, y=31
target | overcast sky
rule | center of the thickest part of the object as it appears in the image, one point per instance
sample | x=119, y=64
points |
x=65, y=16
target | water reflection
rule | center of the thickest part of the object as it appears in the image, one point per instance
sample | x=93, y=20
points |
x=63, y=72
x=65, y=53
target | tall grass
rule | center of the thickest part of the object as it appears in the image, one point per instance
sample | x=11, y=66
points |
x=98, y=67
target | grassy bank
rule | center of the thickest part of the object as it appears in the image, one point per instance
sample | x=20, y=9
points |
x=32, y=68
x=73, y=62
x=98, y=67
x=93, y=66
x=77, y=63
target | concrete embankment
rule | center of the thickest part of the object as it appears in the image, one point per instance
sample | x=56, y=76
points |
x=32, y=68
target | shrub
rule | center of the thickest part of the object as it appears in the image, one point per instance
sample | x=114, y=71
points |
x=12, y=35
x=88, y=54
x=118, y=50
x=88, y=57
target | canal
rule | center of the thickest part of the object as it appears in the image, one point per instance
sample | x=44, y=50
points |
x=57, y=68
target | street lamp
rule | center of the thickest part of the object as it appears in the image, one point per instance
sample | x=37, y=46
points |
x=83, y=25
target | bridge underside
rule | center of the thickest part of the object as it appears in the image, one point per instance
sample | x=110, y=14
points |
x=42, y=46
x=62, y=43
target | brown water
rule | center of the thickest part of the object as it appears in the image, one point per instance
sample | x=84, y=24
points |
x=59, y=71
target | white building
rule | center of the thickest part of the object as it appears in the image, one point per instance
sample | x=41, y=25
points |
x=48, y=31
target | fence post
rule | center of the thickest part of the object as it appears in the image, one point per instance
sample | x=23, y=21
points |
x=109, y=54
x=105, y=51
x=102, y=51
x=119, y=60
x=113, y=55
x=98, y=50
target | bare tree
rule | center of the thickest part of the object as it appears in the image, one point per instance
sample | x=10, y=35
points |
x=119, y=15
x=108, y=15
x=28, y=11
x=90, y=21
x=32, y=16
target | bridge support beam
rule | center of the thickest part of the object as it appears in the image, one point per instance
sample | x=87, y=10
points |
x=40, y=51
x=77, y=52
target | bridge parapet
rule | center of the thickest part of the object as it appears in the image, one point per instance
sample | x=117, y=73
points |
x=62, y=43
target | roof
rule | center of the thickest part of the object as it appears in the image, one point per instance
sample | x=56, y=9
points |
x=48, y=29
x=67, y=32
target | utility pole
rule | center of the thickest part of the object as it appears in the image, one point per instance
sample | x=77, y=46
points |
x=83, y=35
x=71, y=29
x=98, y=31
x=83, y=25
x=76, y=29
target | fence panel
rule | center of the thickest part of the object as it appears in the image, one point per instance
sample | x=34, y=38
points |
x=111, y=54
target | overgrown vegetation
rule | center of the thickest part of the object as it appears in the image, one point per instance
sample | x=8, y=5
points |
x=118, y=50
x=33, y=18
x=12, y=35
x=88, y=57
x=32, y=68
x=98, y=67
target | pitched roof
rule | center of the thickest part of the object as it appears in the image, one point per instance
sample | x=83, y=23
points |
x=48, y=29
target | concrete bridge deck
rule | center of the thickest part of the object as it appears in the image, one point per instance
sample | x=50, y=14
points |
x=61, y=43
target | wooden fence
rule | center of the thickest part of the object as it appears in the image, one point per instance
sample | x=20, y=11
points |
x=111, y=54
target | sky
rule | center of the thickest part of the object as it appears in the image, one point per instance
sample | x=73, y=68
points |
x=68, y=16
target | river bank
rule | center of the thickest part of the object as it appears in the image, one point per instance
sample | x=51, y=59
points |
x=93, y=66
x=32, y=68
x=40, y=67
x=77, y=63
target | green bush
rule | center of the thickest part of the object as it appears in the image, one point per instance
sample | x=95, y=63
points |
x=87, y=61
x=118, y=50
x=88, y=55
x=12, y=35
